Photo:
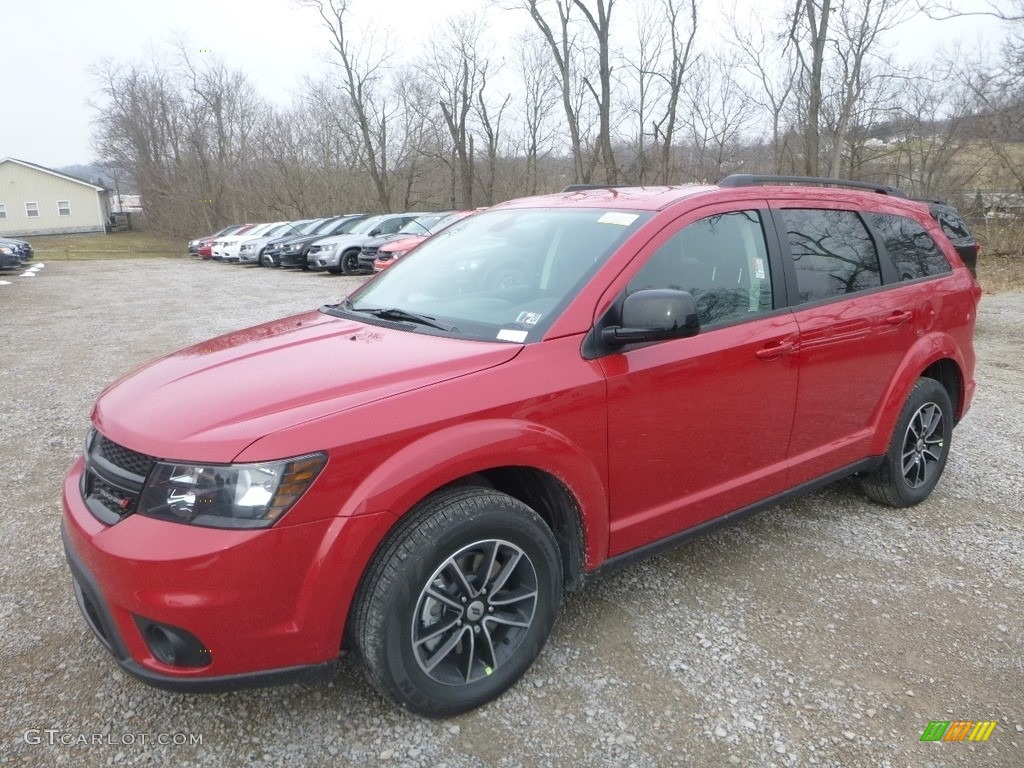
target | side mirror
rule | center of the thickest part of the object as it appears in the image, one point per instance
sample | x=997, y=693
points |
x=654, y=314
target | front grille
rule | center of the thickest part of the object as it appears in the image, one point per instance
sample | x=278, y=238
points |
x=370, y=251
x=113, y=480
x=125, y=458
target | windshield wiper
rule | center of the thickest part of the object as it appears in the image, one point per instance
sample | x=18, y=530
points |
x=394, y=313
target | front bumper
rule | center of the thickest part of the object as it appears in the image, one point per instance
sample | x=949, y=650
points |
x=322, y=260
x=291, y=258
x=260, y=624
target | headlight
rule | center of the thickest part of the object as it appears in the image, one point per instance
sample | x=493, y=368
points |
x=398, y=254
x=232, y=496
x=247, y=247
x=326, y=250
x=5, y=249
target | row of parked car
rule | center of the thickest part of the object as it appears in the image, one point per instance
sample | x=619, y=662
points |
x=14, y=253
x=349, y=244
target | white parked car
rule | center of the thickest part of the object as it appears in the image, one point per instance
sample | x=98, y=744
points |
x=227, y=248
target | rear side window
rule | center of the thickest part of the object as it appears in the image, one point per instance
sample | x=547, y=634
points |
x=833, y=253
x=913, y=252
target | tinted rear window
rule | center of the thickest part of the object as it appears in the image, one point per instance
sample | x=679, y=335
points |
x=913, y=251
x=833, y=253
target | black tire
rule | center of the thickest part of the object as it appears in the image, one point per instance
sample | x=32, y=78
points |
x=402, y=630
x=266, y=260
x=350, y=262
x=917, y=451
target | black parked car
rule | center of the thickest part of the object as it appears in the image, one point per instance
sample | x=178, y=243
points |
x=15, y=252
x=9, y=257
x=293, y=252
x=299, y=229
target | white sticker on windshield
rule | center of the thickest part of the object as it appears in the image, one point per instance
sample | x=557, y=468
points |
x=758, y=268
x=529, y=318
x=617, y=217
x=510, y=335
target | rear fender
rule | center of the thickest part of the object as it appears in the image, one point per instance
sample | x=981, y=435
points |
x=926, y=351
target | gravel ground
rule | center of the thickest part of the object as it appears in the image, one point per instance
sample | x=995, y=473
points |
x=825, y=632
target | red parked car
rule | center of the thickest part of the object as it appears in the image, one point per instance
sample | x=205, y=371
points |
x=546, y=389
x=391, y=252
x=204, y=246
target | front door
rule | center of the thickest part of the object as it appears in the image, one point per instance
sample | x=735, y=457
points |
x=699, y=427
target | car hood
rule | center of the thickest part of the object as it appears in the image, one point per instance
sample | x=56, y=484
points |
x=404, y=244
x=377, y=242
x=299, y=239
x=342, y=240
x=209, y=401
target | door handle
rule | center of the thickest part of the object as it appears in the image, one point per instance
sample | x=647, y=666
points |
x=776, y=350
x=899, y=317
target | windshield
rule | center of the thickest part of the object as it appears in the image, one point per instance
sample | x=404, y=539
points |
x=422, y=225
x=501, y=274
x=280, y=229
x=362, y=227
x=260, y=229
x=306, y=227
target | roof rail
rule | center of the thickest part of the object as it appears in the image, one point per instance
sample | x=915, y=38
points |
x=751, y=180
x=584, y=187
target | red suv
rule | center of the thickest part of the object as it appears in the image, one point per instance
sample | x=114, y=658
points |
x=541, y=391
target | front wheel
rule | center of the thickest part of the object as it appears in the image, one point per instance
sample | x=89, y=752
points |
x=459, y=602
x=918, y=449
x=350, y=262
x=266, y=260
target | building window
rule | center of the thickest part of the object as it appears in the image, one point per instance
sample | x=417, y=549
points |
x=63, y=208
x=32, y=210
x=3, y=210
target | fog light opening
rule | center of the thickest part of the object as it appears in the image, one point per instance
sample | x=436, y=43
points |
x=173, y=646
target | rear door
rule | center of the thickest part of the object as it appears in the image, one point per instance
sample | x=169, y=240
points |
x=854, y=333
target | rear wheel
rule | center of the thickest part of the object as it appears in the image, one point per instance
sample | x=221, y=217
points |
x=459, y=602
x=918, y=449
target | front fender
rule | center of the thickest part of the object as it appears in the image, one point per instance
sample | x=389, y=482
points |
x=441, y=457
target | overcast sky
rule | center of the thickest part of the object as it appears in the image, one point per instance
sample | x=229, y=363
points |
x=49, y=46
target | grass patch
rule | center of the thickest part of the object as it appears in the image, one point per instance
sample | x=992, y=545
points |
x=116, y=245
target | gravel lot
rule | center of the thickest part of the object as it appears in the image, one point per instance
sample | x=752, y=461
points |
x=825, y=632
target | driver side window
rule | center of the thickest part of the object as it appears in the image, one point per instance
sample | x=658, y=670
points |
x=722, y=261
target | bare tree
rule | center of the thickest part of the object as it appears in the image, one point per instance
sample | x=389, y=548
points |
x=561, y=41
x=718, y=112
x=773, y=76
x=600, y=24
x=459, y=70
x=363, y=68
x=539, y=98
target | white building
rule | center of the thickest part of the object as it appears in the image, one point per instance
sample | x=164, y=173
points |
x=38, y=201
